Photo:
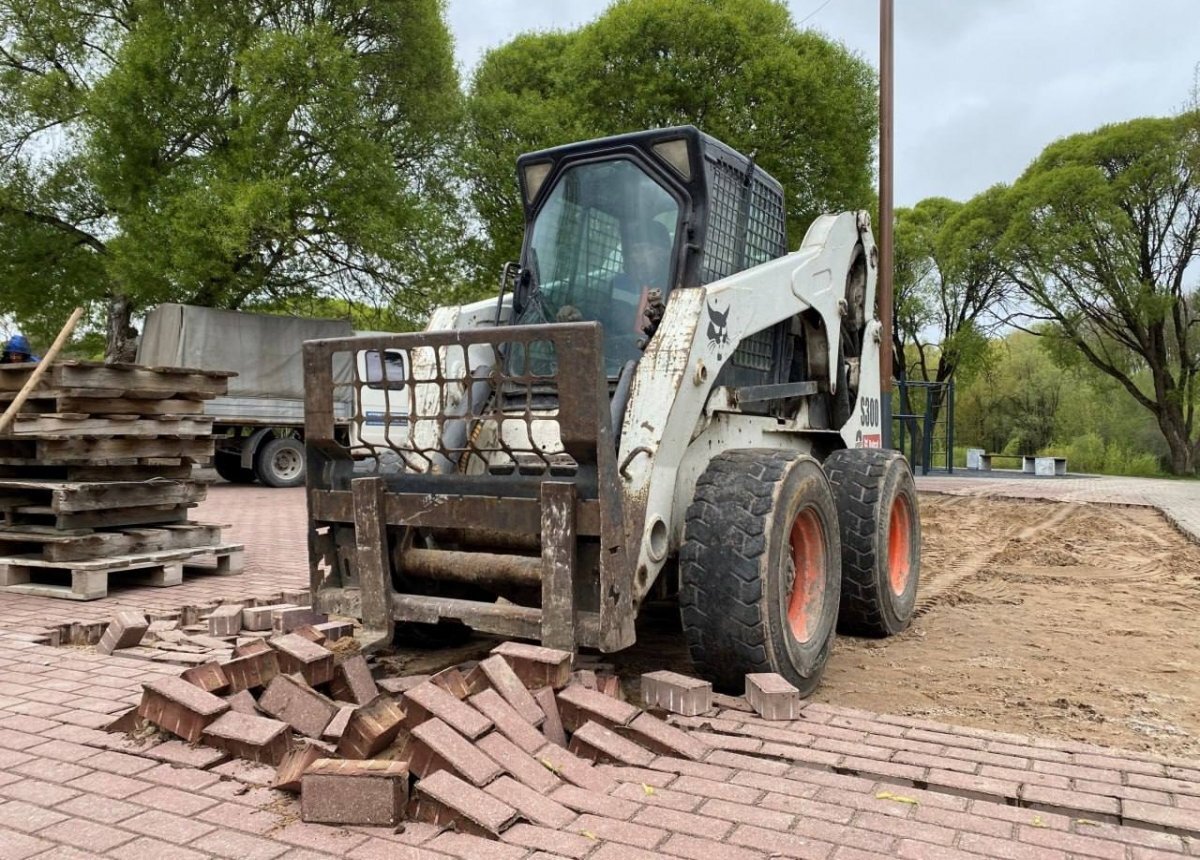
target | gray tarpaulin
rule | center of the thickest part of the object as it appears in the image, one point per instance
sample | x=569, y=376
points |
x=265, y=351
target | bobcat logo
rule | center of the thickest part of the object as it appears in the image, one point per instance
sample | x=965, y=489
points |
x=718, y=328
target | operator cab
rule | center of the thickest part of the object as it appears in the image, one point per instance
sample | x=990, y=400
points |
x=609, y=221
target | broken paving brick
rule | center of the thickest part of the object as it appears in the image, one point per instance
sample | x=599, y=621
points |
x=298, y=596
x=127, y=722
x=259, y=617
x=352, y=681
x=403, y=684
x=311, y=633
x=444, y=799
x=499, y=675
x=585, y=678
x=679, y=694
x=371, y=728
x=296, y=761
x=552, y=728
x=454, y=682
x=298, y=655
x=252, y=671
x=250, y=647
x=337, y=726
x=772, y=696
x=288, y=698
x=458, y=754
x=287, y=620
x=577, y=705
x=657, y=736
x=609, y=685
x=537, y=666
x=209, y=677
x=428, y=701
x=243, y=702
x=335, y=630
x=225, y=620
x=369, y=792
x=604, y=746
x=506, y=719
x=520, y=764
x=253, y=738
x=178, y=707
x=210, y=643
x=125, y=631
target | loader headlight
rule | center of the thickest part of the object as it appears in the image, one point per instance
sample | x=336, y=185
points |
x=535, y=178
x=675, y=153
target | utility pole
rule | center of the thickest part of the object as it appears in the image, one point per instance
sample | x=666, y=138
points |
x=886, y=313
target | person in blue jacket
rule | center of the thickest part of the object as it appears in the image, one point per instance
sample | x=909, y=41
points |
x=17, y=351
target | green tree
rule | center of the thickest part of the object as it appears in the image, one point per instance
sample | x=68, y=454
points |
x=951, y=294
x=1104, y=228
x=738, y=69
x=223, y=154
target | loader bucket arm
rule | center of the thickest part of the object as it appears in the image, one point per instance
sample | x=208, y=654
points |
x=507, y=480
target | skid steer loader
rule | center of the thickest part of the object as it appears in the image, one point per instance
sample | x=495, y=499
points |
x=661, y=400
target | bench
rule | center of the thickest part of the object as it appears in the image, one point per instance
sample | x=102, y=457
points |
x=1047, y=467
x=985, y=460
x=1031, y=464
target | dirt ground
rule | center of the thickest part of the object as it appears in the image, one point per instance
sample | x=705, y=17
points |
x=1064, y=620
x=1067, y=620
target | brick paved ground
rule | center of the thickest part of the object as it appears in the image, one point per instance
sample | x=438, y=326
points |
x=1179, y=500
x=836, y=783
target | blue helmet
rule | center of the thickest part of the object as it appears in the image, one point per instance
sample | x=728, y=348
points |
x=19, y=344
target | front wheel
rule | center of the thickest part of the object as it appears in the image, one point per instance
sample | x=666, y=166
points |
x=228, y=465
x=760, y=569
x=881, y=539
x=280, y=463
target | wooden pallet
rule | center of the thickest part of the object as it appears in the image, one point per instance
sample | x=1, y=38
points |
x=60, y=402
x=145, y=470
x=70, y=425
x=68, y=497
x=88, y=580
x=54, y=545
x=150, y=515
x=94, y=379
x=55, y=451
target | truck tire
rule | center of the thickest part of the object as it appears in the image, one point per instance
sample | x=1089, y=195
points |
x=881, y=539
x=280, y=462
x=229, y=466
x=760, y=569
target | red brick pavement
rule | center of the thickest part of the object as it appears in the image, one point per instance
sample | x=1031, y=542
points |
x=836, y=783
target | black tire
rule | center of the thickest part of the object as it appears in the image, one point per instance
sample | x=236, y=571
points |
x=280, y=463
x=229, y=466
x=738, y=547
x=881, y=539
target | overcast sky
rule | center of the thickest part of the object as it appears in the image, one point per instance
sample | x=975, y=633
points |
x=981, y=85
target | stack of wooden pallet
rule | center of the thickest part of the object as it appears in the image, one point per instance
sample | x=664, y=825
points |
x=95, y=478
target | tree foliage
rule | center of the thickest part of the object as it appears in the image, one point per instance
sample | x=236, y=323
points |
x=1103, y=232
x=223, y=154
x=738, y=69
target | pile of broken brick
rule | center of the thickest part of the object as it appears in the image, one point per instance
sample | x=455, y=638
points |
x=475, y=747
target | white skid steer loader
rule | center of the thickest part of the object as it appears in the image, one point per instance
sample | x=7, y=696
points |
x=662, y=400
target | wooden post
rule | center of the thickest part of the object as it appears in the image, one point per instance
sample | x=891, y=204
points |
x=38, y=372
x=374, y=568
x=558, y=565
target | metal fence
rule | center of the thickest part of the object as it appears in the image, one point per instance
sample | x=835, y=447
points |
x=923, y=424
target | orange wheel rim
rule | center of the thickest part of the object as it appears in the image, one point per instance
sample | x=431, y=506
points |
x=899, y=545
x=807, y=561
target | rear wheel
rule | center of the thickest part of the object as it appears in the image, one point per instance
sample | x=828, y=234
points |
x=280, y=462
x=760, y=569
x=881, y=539
x=228, y=465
